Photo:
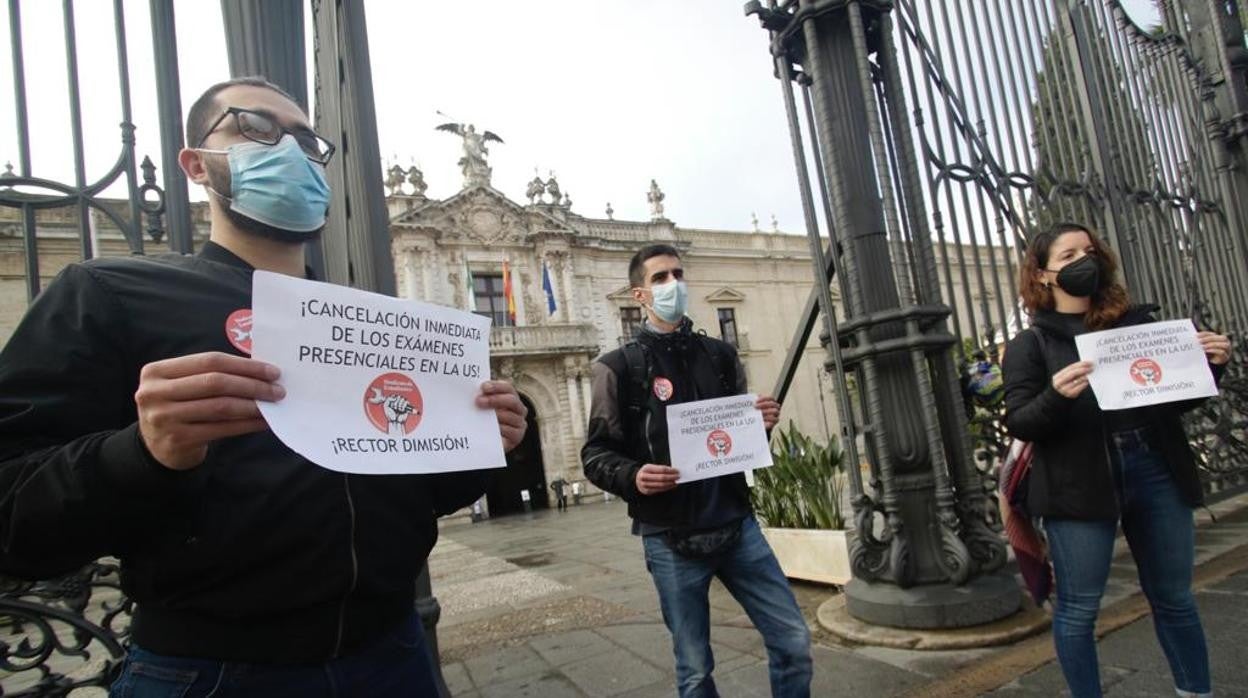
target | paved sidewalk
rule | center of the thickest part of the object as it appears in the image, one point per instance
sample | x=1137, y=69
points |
x=551, y=605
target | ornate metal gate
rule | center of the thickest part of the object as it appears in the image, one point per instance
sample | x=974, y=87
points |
x=1033, y=111
x=945, y=133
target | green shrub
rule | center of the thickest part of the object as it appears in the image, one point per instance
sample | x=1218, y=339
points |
x=803, y=488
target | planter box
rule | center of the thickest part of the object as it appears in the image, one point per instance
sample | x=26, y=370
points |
x=812, y=555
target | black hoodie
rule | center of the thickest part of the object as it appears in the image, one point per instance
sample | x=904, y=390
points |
x=1072, y=476
x=257, y=555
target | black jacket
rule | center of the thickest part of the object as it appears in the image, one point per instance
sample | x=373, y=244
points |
x=1071, y=472
x=256, y=555
x=619, y=442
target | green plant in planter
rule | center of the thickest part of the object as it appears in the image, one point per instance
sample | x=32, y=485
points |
x=802, y=489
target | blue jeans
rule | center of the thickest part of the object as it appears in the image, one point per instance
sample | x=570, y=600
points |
x=397, y=665
x=751, y=574
x=1159, y=528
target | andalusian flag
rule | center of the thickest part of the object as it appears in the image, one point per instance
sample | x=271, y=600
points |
x=508, y=294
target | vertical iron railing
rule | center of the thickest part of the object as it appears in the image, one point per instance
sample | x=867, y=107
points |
x=29, y=193
x=1035, y=111
x=62, y=634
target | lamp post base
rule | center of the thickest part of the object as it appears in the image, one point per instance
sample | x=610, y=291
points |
x=982, y=600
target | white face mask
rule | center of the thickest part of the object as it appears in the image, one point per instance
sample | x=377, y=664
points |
x=671, y=301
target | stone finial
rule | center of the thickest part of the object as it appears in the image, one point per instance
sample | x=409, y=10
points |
x=610, y=212
x=552, y=190
x=567, y=200
x=394, y=179
x=535, y=189
x=8, y=171
x=655, y=197
x=416, y=178
x=775, y=225
x=754, y=220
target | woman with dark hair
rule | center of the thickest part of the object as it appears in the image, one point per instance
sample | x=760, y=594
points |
x=1093, y=468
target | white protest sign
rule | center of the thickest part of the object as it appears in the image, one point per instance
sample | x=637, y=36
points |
x=374, y=384
x=1146, y=365
x=716, y=437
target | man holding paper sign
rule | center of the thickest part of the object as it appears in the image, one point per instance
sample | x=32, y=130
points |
x=1095, y=465
x=692, y=529
x=130, y=426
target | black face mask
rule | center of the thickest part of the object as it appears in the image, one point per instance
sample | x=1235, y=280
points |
x=1082, y=278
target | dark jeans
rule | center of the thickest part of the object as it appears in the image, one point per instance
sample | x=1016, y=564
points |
x=396, y=665
x=751, y=574
x=1159, y=528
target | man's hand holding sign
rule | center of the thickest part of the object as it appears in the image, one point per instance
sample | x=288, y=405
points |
x=1142, y=365
x=655, y=479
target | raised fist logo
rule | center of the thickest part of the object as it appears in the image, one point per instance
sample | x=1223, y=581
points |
x=719, y=443
x=393, y=404
x=1146, y=372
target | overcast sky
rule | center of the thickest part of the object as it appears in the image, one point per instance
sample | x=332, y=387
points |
x=606, y=94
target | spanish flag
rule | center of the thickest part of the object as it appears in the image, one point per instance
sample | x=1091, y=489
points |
x=508, y=295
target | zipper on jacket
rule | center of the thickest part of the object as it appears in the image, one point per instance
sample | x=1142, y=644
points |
x=355, y=568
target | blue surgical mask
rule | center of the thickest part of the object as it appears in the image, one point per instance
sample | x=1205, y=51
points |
x=277, y=185
x=671, y=301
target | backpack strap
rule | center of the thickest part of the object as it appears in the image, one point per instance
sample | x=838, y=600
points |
x=639, y=377
x=723, y=361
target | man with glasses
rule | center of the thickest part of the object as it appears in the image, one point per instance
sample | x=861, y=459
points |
x=129, y=427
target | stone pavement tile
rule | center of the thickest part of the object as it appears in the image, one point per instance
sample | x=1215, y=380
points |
x=564, y=648
x=456, y=677
x=548, y=685
x=650, y=641
x=839, y=672
x=1236, y=585
x=506, y=664
x=612, y=674
x=661, y=689
x=929, y=663
x=497, y=590
x=468, y=694
x=471, y=639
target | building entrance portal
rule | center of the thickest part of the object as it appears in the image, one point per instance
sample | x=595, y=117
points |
x=524, y=472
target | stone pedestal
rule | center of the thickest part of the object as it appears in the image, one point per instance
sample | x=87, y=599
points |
x=983, y=599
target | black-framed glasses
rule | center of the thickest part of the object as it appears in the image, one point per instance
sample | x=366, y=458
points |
x=262, y=128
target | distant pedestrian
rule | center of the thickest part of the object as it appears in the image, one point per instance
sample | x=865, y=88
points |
x=561, y=499
x=1092, y=469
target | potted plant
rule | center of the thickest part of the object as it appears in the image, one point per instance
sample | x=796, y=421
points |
x=798, y=500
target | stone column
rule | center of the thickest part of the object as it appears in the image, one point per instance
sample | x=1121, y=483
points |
x=574, y=399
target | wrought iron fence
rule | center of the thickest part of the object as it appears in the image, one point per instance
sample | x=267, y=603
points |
x=1029, y=112
x=71, y=632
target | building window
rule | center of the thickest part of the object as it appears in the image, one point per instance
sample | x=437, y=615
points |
x=487, y=293
x=630, y=321
x=728, y=325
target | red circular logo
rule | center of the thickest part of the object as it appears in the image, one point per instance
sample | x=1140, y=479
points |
x=663, y=389
x=238, y=329
x=1145, y=372
x=393, y=404
x=719, y=443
